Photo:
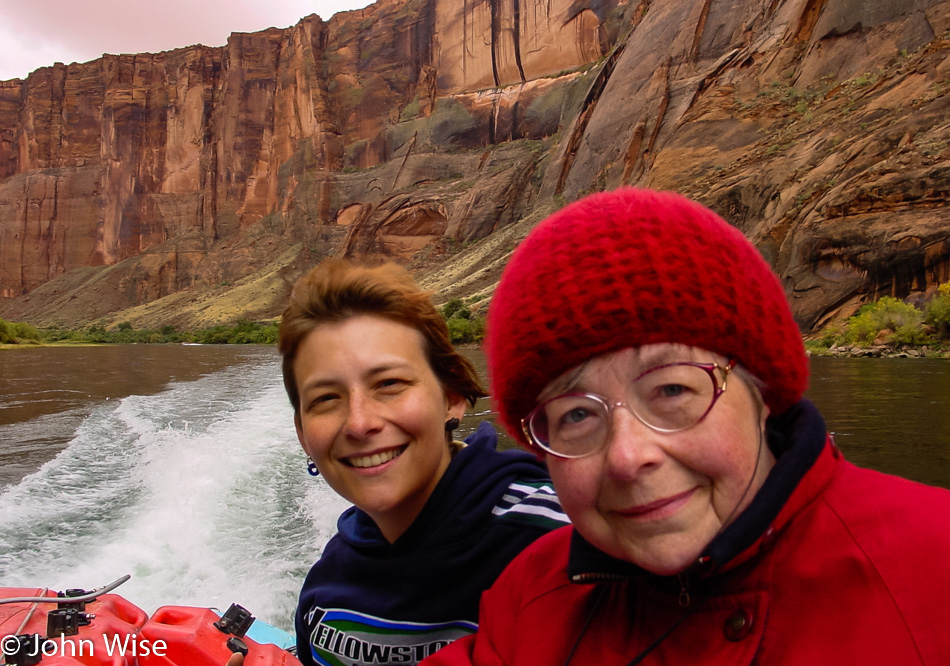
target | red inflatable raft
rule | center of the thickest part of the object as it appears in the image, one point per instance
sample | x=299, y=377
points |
x=77, y=627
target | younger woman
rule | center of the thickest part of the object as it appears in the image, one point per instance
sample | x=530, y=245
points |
x=377, y=390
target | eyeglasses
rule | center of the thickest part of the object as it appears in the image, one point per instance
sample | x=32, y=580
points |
x=668, y=398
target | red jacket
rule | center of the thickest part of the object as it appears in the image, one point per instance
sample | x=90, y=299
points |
x=852, y=567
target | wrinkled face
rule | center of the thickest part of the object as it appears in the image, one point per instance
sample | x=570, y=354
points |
x=657, y=499
x=372, y=416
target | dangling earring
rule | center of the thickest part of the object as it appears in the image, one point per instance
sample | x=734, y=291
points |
x=451, y=424
x=312, y=467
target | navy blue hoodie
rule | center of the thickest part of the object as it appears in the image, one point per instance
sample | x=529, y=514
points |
x=369, y=602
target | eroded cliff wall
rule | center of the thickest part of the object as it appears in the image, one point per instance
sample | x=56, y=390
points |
x=193, y=186
x=819, y=127
x=187, y=160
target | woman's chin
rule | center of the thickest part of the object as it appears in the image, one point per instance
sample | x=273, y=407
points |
x=663, y=559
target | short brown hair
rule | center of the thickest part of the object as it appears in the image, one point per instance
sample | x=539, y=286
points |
x=338, y=289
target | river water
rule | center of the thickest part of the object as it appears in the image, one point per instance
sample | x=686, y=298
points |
x=180, y=466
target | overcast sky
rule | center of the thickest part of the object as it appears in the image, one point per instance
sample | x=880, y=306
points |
x=38, y=33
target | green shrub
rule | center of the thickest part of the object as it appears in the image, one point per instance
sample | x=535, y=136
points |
x=832, y=334
x=450, y=308
x=828, y=337
x=24, y=331
x=17, y=332
x=886, y=313
x=268, y=335
x=464, y=327
x=216, y=335
x=937, y=312
x=243, y=333
x=464, y=331
x=909, y=334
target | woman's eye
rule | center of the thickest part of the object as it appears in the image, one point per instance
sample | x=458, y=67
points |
x=574, y=416
x=323, y=402
x=392, y=384
x=672, y=390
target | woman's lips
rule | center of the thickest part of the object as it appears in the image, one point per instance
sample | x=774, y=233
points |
x=659, y=508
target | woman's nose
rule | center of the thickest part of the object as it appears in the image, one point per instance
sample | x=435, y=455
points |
x=631, y=446
x=363, y=417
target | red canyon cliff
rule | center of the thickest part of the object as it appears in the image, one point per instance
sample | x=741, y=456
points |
x=192, y=186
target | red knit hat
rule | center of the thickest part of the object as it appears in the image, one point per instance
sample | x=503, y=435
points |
x=629, y=268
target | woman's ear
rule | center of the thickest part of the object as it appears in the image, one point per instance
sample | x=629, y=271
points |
x=763, y=408
x=763, y=412
x=454, y=405
x=765, y=415
x=298, y=425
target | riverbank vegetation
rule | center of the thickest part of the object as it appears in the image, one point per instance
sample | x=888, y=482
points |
x=464, y=327
x=244, y=332
x=15, y=332
x=889, y=326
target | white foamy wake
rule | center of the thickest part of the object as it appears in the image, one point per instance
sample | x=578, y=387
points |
x=200, y=492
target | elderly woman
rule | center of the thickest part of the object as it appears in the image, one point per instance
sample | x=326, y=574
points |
x=377, y=391
x=644, y=348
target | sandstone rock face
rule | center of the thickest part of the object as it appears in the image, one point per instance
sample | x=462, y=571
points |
x=438, y=132
x=818, y=128
x=494, y=43
x=187, y=154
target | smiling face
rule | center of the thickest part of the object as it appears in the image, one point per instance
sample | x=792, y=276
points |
x=657, y=499
x=372, y=416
